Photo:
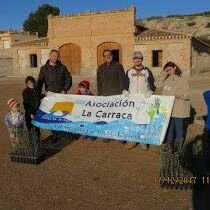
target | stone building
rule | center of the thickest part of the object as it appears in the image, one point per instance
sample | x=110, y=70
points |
x=81, y=39
x=7, y=39
x=29, y=56
x=159, y=47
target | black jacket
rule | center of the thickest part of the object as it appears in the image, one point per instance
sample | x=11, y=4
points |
x=56, y=78
x=110, y=79
x=31, y=100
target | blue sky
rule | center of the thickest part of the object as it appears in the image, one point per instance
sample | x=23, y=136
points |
x=14, y=12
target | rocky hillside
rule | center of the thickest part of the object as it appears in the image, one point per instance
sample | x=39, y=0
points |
x=196, y=24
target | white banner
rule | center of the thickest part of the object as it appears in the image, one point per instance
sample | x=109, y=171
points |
x=133, y=118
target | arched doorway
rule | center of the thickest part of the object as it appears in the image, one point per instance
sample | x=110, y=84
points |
x=70, y=55
x=116, y=49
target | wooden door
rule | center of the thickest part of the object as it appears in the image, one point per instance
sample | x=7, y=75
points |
x=70, y=55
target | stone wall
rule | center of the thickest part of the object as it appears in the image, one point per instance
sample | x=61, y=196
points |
x=18, y=37
x=6, y=62
x=6, y=53
x=21, y=60
x=6, y=66
x=89, y=30
x=200, y=57
x=175, y=50
x=5, y=40
x=8, y=38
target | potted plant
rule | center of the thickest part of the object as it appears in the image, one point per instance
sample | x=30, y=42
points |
x=174, y=170
x=28, y=149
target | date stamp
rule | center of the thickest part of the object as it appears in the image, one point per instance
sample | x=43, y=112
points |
x=188, y=180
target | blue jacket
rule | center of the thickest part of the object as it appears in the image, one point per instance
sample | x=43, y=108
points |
x=206, y=96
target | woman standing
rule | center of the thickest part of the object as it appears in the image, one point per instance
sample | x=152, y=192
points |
x=172, y=83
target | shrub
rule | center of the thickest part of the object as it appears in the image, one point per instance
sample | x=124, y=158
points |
x=192, y=23
x=208, y=25
x=154, y=17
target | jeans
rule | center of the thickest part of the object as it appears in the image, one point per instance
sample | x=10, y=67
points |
x=29, y=125
x=56, y=132
x=176, y=131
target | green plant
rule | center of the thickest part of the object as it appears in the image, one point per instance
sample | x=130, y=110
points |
x=37, y=21
x=175, y=16
x=154, y=17
x=190, y=16
x=188, y=160
x=29, y=145
x=172, y=162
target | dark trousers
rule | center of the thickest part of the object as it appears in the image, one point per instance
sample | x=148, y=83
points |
x=176, y=131
x=206, y=144
x=29, y=125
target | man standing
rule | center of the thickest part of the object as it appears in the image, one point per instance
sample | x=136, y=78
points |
x=139, y=80
x=110, y=77
x=56, y=78
x=54, y=75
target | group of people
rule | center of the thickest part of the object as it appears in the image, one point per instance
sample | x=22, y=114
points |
x=111, y=80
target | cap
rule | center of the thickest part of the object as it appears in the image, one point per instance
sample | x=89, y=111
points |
x=85, y=83
x=12, y=102
x=137, y=54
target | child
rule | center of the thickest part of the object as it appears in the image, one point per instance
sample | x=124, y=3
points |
x=83, y=89
x=14, y=120
x=31, y=102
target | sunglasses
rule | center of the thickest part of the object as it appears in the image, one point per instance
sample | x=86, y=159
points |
x=137, y=58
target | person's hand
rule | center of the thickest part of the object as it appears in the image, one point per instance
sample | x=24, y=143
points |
x=148, y=93
x=32, y=116
x=177, y=96
x=48, y=93
x=63, y=92
x=125, y=93
x=12, y=135
x=166, y=71
x=143, y=72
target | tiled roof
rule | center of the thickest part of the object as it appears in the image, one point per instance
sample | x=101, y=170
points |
x=152, y=34
x=40, y=41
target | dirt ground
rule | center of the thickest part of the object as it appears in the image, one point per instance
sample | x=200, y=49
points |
x=91, y=175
